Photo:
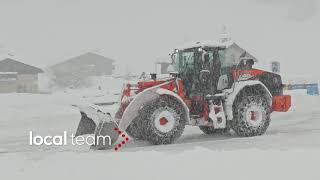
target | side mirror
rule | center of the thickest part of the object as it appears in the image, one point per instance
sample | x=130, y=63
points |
x=153, y=76
x=246, y=62
x=223, y=82
x=173, y=56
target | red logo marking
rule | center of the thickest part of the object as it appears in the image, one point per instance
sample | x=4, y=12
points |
x=118, y=146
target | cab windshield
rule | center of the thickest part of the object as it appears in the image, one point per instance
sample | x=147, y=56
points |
x=192, y=60
x=185, y=60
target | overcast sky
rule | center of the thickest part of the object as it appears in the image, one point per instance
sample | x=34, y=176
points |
x=44, y=32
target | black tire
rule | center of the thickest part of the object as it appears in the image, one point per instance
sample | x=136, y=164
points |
x=135, y=129
x=211, y=130
x=242, y=124
x=156, y=107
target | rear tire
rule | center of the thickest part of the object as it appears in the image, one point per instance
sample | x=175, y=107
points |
x=168, y=131
x=251, y=115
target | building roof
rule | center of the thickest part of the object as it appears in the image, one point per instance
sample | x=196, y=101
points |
x=10, y=65
x=230, y=44
x=244, y=53
x=205, y=43
x=87, y=58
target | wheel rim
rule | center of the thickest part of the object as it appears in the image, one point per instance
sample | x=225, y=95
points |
x=164, y=119
x=254, y=115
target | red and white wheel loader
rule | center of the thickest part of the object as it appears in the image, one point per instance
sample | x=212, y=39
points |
x=205, y=89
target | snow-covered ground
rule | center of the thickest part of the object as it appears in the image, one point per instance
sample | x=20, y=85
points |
x=289, y=150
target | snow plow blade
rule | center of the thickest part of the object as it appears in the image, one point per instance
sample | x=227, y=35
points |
x=101, y=124
x=86, y=125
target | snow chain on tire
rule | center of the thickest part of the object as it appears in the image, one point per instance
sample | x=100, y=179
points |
x=246, y=99
x=151, y=133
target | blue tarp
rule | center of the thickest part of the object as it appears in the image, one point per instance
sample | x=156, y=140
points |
x=312, y=89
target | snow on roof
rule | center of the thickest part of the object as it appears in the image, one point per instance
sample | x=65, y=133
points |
x=205, y=43
x=90, y=59
x=10, y=65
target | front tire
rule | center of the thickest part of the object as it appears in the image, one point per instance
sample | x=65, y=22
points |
x=251, y=115
x=164, y=120
x=135, y=129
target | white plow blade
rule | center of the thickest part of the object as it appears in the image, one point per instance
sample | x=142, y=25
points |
x=95, y=121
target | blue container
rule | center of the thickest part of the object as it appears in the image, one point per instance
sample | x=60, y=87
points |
x=313, y=89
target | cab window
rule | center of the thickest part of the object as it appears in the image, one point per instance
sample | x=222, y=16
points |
x=222, y=57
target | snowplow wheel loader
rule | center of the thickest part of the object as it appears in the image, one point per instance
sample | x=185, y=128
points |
x=157, y=110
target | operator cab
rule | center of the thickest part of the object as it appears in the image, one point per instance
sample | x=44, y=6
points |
x=199, y=66
x=207, y=67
